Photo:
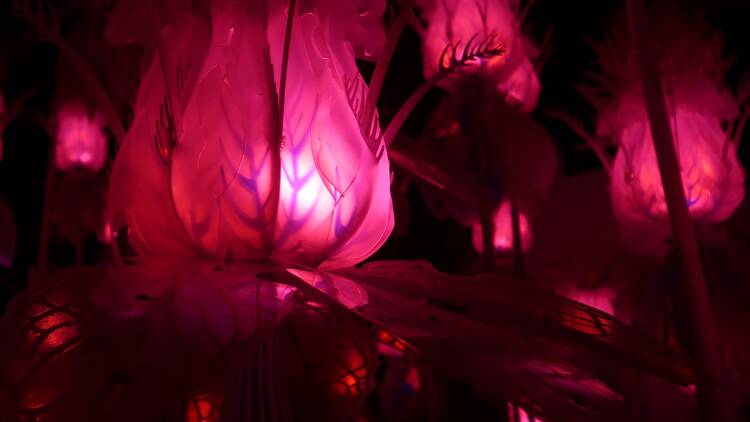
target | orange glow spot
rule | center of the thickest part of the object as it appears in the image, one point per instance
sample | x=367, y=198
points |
x=350, y=380
x=204, y=408
x=354, y=359
x=60, y=336
x=53, y=320
x=384, y=336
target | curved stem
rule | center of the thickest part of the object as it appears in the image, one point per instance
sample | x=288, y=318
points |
x=488, y=238
x=281, y=100
x=595, y=146
x=712, y=397
x=403, y=113
x=378, y=76
x=49, y=184
x=740, y=129
x=285, y=62
x=517, y=243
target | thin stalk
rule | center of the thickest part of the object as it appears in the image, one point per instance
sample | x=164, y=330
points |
x=115, y=248
x=285, y=63
x=403, y=113
x=381, y=67
x=517, y=245
x=49, y=185
x=488, y=239
x=481, y=147
x=80, y=252
x=713, y=401
x=417, y=167
x=281, y=98
x=740, y=128
x=595, y=146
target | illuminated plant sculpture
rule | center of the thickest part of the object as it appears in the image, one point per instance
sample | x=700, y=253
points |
x=253, y=177
x=483, y=124
x=463, y=25
x=212, y=169
x=706, y=125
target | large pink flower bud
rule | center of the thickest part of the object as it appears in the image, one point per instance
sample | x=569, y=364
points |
x=222, y=183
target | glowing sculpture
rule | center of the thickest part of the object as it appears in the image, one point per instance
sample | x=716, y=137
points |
x=220, y=182
x=458, y=21
x=503, y=238
x=81, y=143
x=701, y=112
x=711, y=174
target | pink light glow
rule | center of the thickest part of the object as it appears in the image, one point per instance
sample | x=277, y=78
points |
x=712, y=177
x=503, y=230
x=334, y=206
x=519, y=414
x=452, y=21
x=204, y=408
x=80, y=140
x=601, y=298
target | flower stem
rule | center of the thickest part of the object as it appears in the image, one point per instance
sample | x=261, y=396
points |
x=378, y=76
x=712, y=398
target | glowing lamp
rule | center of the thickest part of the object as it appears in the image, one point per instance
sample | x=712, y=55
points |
x=711, y=174
x=457, y=21
x=223, y=183
x=81, y=143
x=503, y=239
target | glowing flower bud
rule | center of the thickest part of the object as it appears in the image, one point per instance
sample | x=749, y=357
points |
x=221, y=183
x=81, y=143
x=457, y=21
x=503, y=239
x=701, y=111
x=712, y=178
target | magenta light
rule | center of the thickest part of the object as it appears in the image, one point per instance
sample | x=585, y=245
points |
x=453, y=21
x=80, y=140
x=711, y=174
x=215, y=195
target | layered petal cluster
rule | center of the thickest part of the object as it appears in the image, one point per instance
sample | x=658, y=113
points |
x=209, y=168
x=701, y=112
x=458, y=21
x=712, y=177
